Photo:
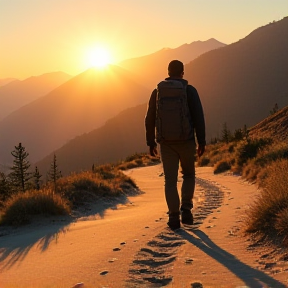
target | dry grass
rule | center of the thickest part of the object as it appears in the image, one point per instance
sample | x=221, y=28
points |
x=21, y=206
x=265, y=163
x=73, y=191
x=138, y=160
x=222, y=166
x=213, y=154
x=105, y=181
x=268, y=215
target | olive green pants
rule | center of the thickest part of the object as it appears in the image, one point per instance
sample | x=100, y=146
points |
x=171, y=156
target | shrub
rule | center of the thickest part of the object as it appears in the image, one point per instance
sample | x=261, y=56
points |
x=203, y=161
x=138, y=160
x=248, y=149
x=21, y=206
x=221, y=166
x=250, y=171
x=105, y=181
x=268, y=215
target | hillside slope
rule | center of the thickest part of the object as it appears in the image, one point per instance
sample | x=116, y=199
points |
x=274, y=126
x=19, y=93
x=240, y=83
x=219, y=105
x=78, y=106
x=151, y=69
x=120, y=137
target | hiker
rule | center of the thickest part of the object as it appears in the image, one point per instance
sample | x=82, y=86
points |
x=174, y=116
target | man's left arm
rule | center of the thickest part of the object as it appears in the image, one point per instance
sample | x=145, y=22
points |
x=198, y=120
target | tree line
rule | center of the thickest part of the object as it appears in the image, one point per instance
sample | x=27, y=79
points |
x=21, y=178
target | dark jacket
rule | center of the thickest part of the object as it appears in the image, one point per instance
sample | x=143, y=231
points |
x=196, y=112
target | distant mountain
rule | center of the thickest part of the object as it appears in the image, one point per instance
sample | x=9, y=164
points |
x=152, y=68
x=241, y=83
x=80, y=105
x=275, y=126
x=5, y=81
x=120, y=137
x=19, y=93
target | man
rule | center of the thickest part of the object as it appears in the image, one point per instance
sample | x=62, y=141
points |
x=175, y=151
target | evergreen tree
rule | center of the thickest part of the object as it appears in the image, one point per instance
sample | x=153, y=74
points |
x=274, y=110
x=54, y=173
x=245, y=132
x=226, y=134
x=37, y=177
x=20, y=175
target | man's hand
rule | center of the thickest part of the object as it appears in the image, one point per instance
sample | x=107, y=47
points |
x=200, y=150
x=153, y=151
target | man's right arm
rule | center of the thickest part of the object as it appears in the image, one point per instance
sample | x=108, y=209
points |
x=150, y=120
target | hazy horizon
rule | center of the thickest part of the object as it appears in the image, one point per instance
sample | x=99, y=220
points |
x=40, y=36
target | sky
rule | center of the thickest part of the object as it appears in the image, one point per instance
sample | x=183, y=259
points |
x=41, y=36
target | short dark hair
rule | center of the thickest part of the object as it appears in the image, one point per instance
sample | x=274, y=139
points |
x=175, y=68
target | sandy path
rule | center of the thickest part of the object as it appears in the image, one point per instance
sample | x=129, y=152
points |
x=148, y=254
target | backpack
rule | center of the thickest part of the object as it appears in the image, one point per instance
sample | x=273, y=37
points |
x=173, y=120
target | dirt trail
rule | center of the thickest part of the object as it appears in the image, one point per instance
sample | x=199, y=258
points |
x=131, y=246
x=214, y=253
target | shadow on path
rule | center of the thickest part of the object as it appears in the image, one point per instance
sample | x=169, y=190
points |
x=250, y=276
x=16, y=245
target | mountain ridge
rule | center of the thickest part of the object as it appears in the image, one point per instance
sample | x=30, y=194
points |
x=18, y=93
x=80, y=105
x=152, y=68
x=225, y=81
x=243, y=80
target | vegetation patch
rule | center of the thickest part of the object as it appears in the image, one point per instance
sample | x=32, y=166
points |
x=21, y=206
x=23, y=194
x=262, y=160
x=221, y=166
x=268, y=215
x=138, y=160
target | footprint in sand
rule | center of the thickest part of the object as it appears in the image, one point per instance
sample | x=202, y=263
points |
x=188, y=261
x=196, y=285
x=151, y=262
x=116, y=249
x=104, y=272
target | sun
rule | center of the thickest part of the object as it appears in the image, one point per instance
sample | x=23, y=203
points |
x=98, y=57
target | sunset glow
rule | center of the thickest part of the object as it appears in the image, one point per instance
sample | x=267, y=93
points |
x=71, y=42
x=98, y=57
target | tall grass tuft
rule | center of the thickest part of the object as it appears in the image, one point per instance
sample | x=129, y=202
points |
x=103, y=181
x=19, y=209
x=222, y=166
x=138, y=160
x=268, y=215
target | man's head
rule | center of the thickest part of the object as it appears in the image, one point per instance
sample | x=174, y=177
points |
x=176, y=69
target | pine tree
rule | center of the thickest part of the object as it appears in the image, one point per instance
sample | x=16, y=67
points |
x=274, y=110
x=20, y=175
x=245, y=132
x=226, y=134
x=54, y=173
x=37, y=177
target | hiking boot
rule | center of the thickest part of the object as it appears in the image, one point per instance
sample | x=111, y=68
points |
x=174, y=221
x=186, y=217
